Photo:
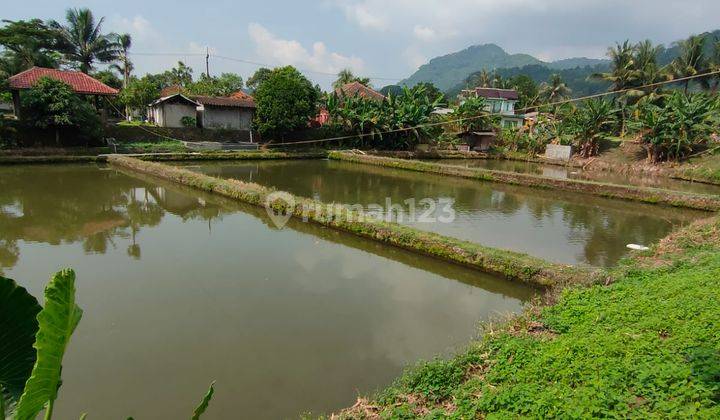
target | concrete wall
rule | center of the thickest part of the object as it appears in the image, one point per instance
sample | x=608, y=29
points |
x=171, y=115
x=227, y=118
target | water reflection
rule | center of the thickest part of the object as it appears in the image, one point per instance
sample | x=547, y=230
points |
x=180, y=288
x=559, y=226
x=81, y=204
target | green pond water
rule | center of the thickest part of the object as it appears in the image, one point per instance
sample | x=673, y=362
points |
x=180, y=288
x=563, y=227
x=562, y=172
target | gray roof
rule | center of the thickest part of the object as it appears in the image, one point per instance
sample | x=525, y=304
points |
x=179, y=96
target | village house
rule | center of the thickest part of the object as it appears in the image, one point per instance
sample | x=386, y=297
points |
x=499, y=101
x=231, y=113
x=81, y=84
x=234, y=112
x=173, y=111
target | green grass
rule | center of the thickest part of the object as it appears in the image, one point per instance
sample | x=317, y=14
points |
x=163, y=146
x=646, y=346
x=704, y=168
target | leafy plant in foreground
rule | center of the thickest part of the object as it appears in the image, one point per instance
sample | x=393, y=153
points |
x=33, y=341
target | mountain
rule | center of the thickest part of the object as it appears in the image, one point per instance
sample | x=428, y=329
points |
x=449, y=70
x=571, y=63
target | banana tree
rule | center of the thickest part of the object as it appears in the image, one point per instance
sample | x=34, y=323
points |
x=33, y=340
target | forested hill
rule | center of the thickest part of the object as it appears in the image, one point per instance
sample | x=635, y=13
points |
x=450, y=72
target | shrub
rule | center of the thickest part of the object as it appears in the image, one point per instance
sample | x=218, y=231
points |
x=590, y=124
x=677, y=126
x=53, y=104
x=188, y=121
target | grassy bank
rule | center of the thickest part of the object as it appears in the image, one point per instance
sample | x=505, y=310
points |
x=508, y=264
x=704, y=169
x=646, y=195
x=646, y=346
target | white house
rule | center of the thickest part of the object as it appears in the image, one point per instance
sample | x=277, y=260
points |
x=231, y=113
x=499, y=101
x=169, y=111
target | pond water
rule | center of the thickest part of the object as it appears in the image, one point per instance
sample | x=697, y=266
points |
x=562, y=172
x=180, y=288
x=558, y=226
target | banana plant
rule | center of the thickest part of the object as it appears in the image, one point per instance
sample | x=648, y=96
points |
x=33, y=340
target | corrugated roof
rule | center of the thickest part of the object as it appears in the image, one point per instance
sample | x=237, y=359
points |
x=231, y=102
x=492, y=93
x=78, y=81
x=176, y=95
x=358, y=89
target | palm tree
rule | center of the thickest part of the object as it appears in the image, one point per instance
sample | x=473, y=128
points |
x=622, y=73
x=714, y=66
x=82, y=40
x=691, y=60
x=346, y=76
x=125, y=66
x=554, y=90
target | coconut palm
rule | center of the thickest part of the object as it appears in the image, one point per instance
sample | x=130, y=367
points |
x=622, y=73
x=124, y=65
x=554, y=90
x=83, y=42
x=691, y=61
x=346, y=76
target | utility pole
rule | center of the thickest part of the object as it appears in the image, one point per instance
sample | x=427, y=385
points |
x=207, y=62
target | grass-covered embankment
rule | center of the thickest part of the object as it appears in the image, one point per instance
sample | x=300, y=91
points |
x=703, y=169
x=625, y=192
x=645, y=346
x=509, y=264
x=233, y=155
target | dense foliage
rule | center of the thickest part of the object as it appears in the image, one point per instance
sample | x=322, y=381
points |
x=53, y=104
x=285, y=101
x=393, y=123
x=678, y=125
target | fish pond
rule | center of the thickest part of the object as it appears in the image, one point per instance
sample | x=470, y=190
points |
x=180, y=288
x=558, y=226
x=564, y=172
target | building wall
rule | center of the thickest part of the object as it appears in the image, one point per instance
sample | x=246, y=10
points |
x=171, y=115
x=227, y=118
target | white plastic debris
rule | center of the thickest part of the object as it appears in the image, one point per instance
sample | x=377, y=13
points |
x=637, y=247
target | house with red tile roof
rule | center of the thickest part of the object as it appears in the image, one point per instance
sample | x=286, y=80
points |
x=81, y=83
x=358, y=89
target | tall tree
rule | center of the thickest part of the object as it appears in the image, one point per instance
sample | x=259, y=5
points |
x=181, y=75
x=83, y=42
x=124, y=66
x=554, y=90
x=28, y=43
x=258, y=78
x=622, y=71
x=346, y=76
x=692, y=60
x=285, y=102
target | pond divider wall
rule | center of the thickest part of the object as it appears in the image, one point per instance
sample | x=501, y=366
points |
x=641, y=194
x=511, y=265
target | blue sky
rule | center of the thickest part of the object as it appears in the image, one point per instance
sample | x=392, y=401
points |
x=383, y=38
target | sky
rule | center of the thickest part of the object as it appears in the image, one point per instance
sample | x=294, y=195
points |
x=384, y=39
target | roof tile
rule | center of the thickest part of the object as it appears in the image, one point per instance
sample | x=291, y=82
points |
x=78, y=81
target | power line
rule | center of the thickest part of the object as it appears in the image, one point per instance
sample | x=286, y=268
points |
x=253, y=63
x=457, y=120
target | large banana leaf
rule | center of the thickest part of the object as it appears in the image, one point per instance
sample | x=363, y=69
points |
x=18, y=326
x=57, y=321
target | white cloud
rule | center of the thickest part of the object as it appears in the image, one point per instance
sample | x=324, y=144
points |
x=414, y=58
x=365, y=15
x=424, y=33
x=282, y=51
